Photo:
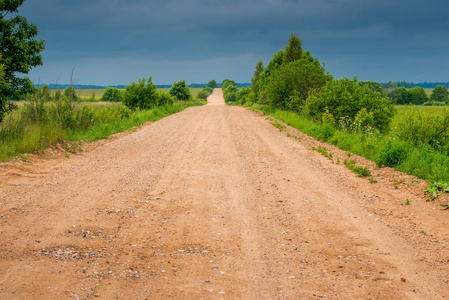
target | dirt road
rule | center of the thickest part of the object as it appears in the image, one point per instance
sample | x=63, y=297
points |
x=214, y=202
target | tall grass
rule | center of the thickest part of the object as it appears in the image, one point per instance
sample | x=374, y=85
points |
x=417, y=144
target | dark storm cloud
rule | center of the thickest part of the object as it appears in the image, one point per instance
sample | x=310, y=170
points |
x=118, y=41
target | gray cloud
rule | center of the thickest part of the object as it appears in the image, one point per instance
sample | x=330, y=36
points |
x=116, y=41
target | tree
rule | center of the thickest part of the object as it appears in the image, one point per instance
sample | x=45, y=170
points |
x=19, y=52
x=372, y=85
x=227, y=82
x=255, y=80
x=180, y=91
x=289, y=86
x=439, y=94
x=212, y=84
x=418, y=95
x=399, y=95
x=112, y=95
x=137, y=95
x=293, y=51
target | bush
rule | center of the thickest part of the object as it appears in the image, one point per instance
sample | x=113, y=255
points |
x=137, y=95
x=112, y=95
x=180, y=91
x=392, y=153
x=202, y=95
x=345, y=98
x=164, y=99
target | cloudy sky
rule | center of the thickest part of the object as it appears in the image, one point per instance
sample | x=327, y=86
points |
x=111, y=42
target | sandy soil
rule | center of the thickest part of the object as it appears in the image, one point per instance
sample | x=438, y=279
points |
x=215, y=202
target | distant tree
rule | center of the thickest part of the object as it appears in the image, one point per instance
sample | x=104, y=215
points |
x=112, y=95
x=19, y=53
x=439, y=94
x=293, y=51
x=255, y=80
x=227, y=82
x=180, y=91
x=137, y=95
x=418, y=95
x=212, y=84
x=399, y=95
x=274, y=63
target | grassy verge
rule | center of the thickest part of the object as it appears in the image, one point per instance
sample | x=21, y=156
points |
x=412, y=155
x=18, y=135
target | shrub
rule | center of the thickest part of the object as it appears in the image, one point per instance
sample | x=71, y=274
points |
x=180, y=91
x=112, y=95
x=345, y=98
x=164, y=99
x=202, y=95
x=392, y=153
x=137, y=95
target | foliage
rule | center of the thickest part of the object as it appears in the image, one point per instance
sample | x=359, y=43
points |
x=226, y=83
x=420, y=127
x=392, y=153
x=255, y=80
x=399, y=95
x=230, y=91
x=112, y=95
x=137, y=95
x=345, y=99
x=274, y=63
x=418, y=95
x=180, y=91
x=293, y=51
x=20, y=53
x=202, y=95
x=372, y=85
x=360, y=171
x=212, y=84
x=289, y=86
x=440, y=94
x=164, y=99
x=70, y=93
x=435, y=188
